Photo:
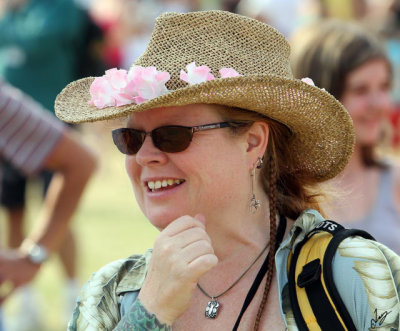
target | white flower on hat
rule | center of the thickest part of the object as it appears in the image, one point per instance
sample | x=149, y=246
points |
x=308, y=81
x=228, y=72
x=119, y=87
x=147, y=83
x=105, y=90
x=196, y=74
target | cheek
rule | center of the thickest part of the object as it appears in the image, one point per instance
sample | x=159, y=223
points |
x=133, y=171
x=130, y=167
x=387, y=105
x=355, y=106
x=227, y=182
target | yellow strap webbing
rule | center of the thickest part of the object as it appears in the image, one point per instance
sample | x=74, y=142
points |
x=314, y=248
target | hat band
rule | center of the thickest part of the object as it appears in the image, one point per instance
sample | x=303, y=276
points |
x=119, y=87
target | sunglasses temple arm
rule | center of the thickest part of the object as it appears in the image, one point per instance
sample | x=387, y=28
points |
x=210, y=126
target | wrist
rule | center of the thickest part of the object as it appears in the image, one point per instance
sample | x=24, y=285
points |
x=153, y=307
x=35, y=253
x=138, y=317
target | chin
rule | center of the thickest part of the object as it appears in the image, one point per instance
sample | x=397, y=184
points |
x=370, y=141
x=369, y=138
x=161, y=219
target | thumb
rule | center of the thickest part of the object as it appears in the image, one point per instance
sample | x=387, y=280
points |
x=201, y=218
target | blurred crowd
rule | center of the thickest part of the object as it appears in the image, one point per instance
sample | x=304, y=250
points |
x=45, y=44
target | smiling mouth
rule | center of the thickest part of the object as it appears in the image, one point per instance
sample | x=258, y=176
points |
x=162, y=185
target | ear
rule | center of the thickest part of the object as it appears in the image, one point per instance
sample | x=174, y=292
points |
x=257, y=141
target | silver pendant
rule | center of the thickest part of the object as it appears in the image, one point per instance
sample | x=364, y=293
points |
x=212, y=308
x=254, y=204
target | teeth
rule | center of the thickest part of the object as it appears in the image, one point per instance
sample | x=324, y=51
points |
x=154, y=185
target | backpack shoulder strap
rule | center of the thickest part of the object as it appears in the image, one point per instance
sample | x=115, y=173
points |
x=328, y=273
x=315, y=301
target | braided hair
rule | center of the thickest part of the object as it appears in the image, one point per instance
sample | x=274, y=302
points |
x=289, y=190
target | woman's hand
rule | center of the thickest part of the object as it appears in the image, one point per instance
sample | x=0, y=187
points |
x=182, y=254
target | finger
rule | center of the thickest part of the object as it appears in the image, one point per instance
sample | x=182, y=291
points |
x=180, y=224
x=170, y=247
x=195, y=250
x=189, y=236
x=174, y=249
x=201, y=218
x=202, y=264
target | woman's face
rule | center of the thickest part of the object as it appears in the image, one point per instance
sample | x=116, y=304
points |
x=209, y=172
x=366, y=96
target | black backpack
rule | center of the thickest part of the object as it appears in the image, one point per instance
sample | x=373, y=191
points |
x=312, y=290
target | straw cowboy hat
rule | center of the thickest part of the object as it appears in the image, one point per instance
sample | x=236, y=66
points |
x=323, y=136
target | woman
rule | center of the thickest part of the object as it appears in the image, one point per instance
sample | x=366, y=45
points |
x=225, y=151
x=352, y=65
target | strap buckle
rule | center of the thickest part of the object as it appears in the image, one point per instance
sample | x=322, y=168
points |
x=311, y=272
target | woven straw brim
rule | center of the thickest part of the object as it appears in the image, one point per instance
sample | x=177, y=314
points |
x=323, y=131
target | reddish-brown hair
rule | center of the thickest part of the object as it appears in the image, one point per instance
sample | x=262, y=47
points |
x=289, y=190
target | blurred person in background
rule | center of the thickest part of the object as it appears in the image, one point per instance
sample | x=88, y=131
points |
x=107, y=15
x=38, y=46
x=284, y=15
x=138, y=29
x=229, y=5
x=388, y=25
x=351, y=64
x=31, y=139
x=42, y=48
x=289, y=15
x=127, y=25
x=348, y=10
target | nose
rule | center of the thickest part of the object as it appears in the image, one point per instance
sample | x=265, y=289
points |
x=149, y=155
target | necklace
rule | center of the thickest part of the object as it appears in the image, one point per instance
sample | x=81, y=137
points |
x=213, y=305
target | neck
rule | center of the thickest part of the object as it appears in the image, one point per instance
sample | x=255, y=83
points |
x=355, y=166
x=239, y=233
x=239, y=243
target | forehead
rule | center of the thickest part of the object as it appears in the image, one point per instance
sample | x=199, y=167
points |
x=378, y=69
x=181, y=115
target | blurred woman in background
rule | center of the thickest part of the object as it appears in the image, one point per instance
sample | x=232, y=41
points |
x=350, y=63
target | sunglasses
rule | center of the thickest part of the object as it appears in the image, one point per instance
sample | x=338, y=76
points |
x=169, y=139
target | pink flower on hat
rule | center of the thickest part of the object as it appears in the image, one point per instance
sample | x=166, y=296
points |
x=146, y=83
x=196, y=74
x=105, y=90
x=119, y=87
x=228, y=72
x=308, y=81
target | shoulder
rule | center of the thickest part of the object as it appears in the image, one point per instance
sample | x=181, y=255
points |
x=98, y=303
x=392, y=164
x=393, y=168
x=124, y=274
x=367, y=277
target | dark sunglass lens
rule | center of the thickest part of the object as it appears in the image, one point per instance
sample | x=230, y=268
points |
x=128, y=140
x=172, y=139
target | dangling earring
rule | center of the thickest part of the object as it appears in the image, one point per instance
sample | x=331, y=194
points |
x=254, y=203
